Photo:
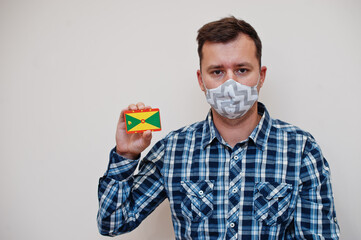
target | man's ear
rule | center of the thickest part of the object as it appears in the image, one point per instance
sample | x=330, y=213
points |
x=263, y=76
x=200, y=82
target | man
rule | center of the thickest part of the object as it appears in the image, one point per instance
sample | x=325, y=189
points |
x=239, y=174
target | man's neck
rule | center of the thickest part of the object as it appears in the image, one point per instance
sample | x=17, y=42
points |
x=234, y=131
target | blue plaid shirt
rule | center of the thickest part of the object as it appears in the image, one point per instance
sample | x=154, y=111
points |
x=274, y=185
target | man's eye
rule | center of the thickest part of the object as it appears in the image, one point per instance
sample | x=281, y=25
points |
x=242, y=70
x=217, y=72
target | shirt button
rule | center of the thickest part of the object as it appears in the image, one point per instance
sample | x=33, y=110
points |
x=232, y=225
x=200, y=192
x=335, y=219
x=234, y=190
x=235, y=157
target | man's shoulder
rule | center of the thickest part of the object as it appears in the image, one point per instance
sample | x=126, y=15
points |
x=275, y=127
x=290, y=129
x=187, y=130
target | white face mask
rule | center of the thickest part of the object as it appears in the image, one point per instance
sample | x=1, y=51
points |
x=232, y=99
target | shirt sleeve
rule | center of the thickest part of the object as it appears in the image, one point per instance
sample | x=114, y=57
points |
x=125, y=198
x=315, y=216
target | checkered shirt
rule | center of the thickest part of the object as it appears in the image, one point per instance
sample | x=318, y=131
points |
x=274, y=185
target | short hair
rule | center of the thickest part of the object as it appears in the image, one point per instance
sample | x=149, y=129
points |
x=226, y=30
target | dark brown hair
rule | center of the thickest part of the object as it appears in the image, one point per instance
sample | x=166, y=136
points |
x=226, y=30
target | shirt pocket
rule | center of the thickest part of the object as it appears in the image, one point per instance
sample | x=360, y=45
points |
x=272, y=201
x=197, y=202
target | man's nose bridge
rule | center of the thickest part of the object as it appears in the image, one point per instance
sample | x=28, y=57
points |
x=230, y=75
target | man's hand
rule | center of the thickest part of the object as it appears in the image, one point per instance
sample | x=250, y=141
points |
x=131, y=145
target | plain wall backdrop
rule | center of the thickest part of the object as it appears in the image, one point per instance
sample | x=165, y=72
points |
x=68, y=67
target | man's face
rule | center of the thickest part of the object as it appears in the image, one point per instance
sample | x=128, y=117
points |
x=233, y=60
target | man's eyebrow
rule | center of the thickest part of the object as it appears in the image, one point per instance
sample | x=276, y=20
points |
x=244, y=64
x=214, y=67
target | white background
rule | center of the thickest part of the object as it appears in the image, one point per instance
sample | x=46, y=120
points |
x=68, y=67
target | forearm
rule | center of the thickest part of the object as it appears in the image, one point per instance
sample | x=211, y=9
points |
x=114, y=215
x=114, y=195
x=126, y=199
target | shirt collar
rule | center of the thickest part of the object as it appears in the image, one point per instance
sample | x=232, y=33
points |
x=259, y=135
x=210, y=132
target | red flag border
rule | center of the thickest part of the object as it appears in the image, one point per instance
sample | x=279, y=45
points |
x=141, y=110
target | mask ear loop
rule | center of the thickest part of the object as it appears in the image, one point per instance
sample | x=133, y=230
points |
x=204, y=85
x=259, y=79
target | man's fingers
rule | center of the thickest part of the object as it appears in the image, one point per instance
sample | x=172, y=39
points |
x=147, y=136
x=132, y=107
x=140, y=105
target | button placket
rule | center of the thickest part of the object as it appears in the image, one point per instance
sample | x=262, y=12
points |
x=235, y=178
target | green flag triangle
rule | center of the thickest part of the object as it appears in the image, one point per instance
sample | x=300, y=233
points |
x=131, y=122
x=154, y=120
